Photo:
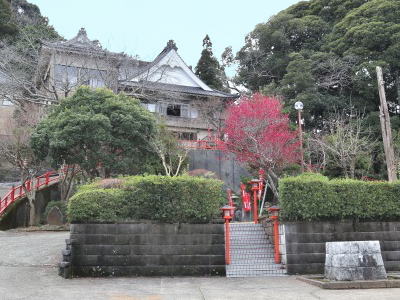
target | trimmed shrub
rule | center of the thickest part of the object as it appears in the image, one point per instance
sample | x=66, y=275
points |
x=314, y=197
x=97, y=205
x=181, y=199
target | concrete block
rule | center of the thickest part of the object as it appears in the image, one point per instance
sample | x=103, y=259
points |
x=357, y=260
x=133, y=228
x=389, y=245
x=93, y=228
x=304, y=258
x=85, y=260
x=391, y=255
x=314, y=268
x=113, y=260
x=301, y=248
x=100, y=239
x=392, y=265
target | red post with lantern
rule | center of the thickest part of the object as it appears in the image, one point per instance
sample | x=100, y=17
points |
x=255, y=188
x=274, y=215
x=226, y=210
x=230, y=201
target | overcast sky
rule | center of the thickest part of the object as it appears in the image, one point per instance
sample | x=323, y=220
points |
x=144, y=27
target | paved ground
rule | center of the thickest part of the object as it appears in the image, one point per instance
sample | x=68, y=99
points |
x=28, y=271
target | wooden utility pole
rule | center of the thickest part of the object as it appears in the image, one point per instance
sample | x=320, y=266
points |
x=386, y=128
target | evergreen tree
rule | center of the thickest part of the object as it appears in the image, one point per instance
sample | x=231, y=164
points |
x=7, y=27
x=208, y=68
x=328, y=50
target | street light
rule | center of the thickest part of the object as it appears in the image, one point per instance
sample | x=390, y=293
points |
x=299, y=107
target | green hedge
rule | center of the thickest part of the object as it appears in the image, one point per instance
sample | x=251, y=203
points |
x=314, y=197
x=181, y=199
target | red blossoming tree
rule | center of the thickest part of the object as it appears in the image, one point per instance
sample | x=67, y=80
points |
x=258, y=133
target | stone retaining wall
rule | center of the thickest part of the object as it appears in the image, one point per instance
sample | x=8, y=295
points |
x=147, y=249
x=305, y=242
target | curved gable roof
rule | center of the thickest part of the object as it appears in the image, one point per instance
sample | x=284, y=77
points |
x=169, y=68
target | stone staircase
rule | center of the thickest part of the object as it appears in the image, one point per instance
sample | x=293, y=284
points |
x=252, y=253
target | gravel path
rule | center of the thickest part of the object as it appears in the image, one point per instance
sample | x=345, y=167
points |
x=28, y=271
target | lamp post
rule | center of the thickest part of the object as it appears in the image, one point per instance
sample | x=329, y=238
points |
x=299, y=107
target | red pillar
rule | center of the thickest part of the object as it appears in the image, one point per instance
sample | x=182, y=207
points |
x=226, y=210
x=277, y=255
x=227, y=243
x=274, y=211
x=255, y=207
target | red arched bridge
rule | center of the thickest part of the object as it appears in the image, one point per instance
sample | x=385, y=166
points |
x=19, y=192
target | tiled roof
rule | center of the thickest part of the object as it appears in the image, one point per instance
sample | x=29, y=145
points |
x=80, y=43
x=176, y=88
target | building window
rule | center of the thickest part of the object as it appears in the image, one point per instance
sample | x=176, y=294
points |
x=151, y=107
x=174, y=110
x=190, y=136
x=65, y=76
x=194, y=114
x=187, y=136
x=6, y=102
x=70, y=76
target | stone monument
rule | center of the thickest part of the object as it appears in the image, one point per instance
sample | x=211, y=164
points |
x=55, y=216
x=360, y=260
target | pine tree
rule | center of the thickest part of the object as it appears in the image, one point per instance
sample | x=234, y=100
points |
x=208, y=68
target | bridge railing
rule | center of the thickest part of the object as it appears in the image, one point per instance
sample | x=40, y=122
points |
x=17, y=192
x=214, y=144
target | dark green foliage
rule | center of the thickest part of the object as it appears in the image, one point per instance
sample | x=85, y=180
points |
x=208, y=68
x=324, y=52
x=22, y=24
x=180, y=199
x=96, y=128
x=7, y=26
x=97, y=205
x=313, y=197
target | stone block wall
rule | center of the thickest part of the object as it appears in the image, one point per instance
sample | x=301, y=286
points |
x=147, y=249
x=305, y=242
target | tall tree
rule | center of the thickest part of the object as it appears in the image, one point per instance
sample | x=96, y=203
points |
x=99, y=131
x=208, y=68
x=325, y=52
